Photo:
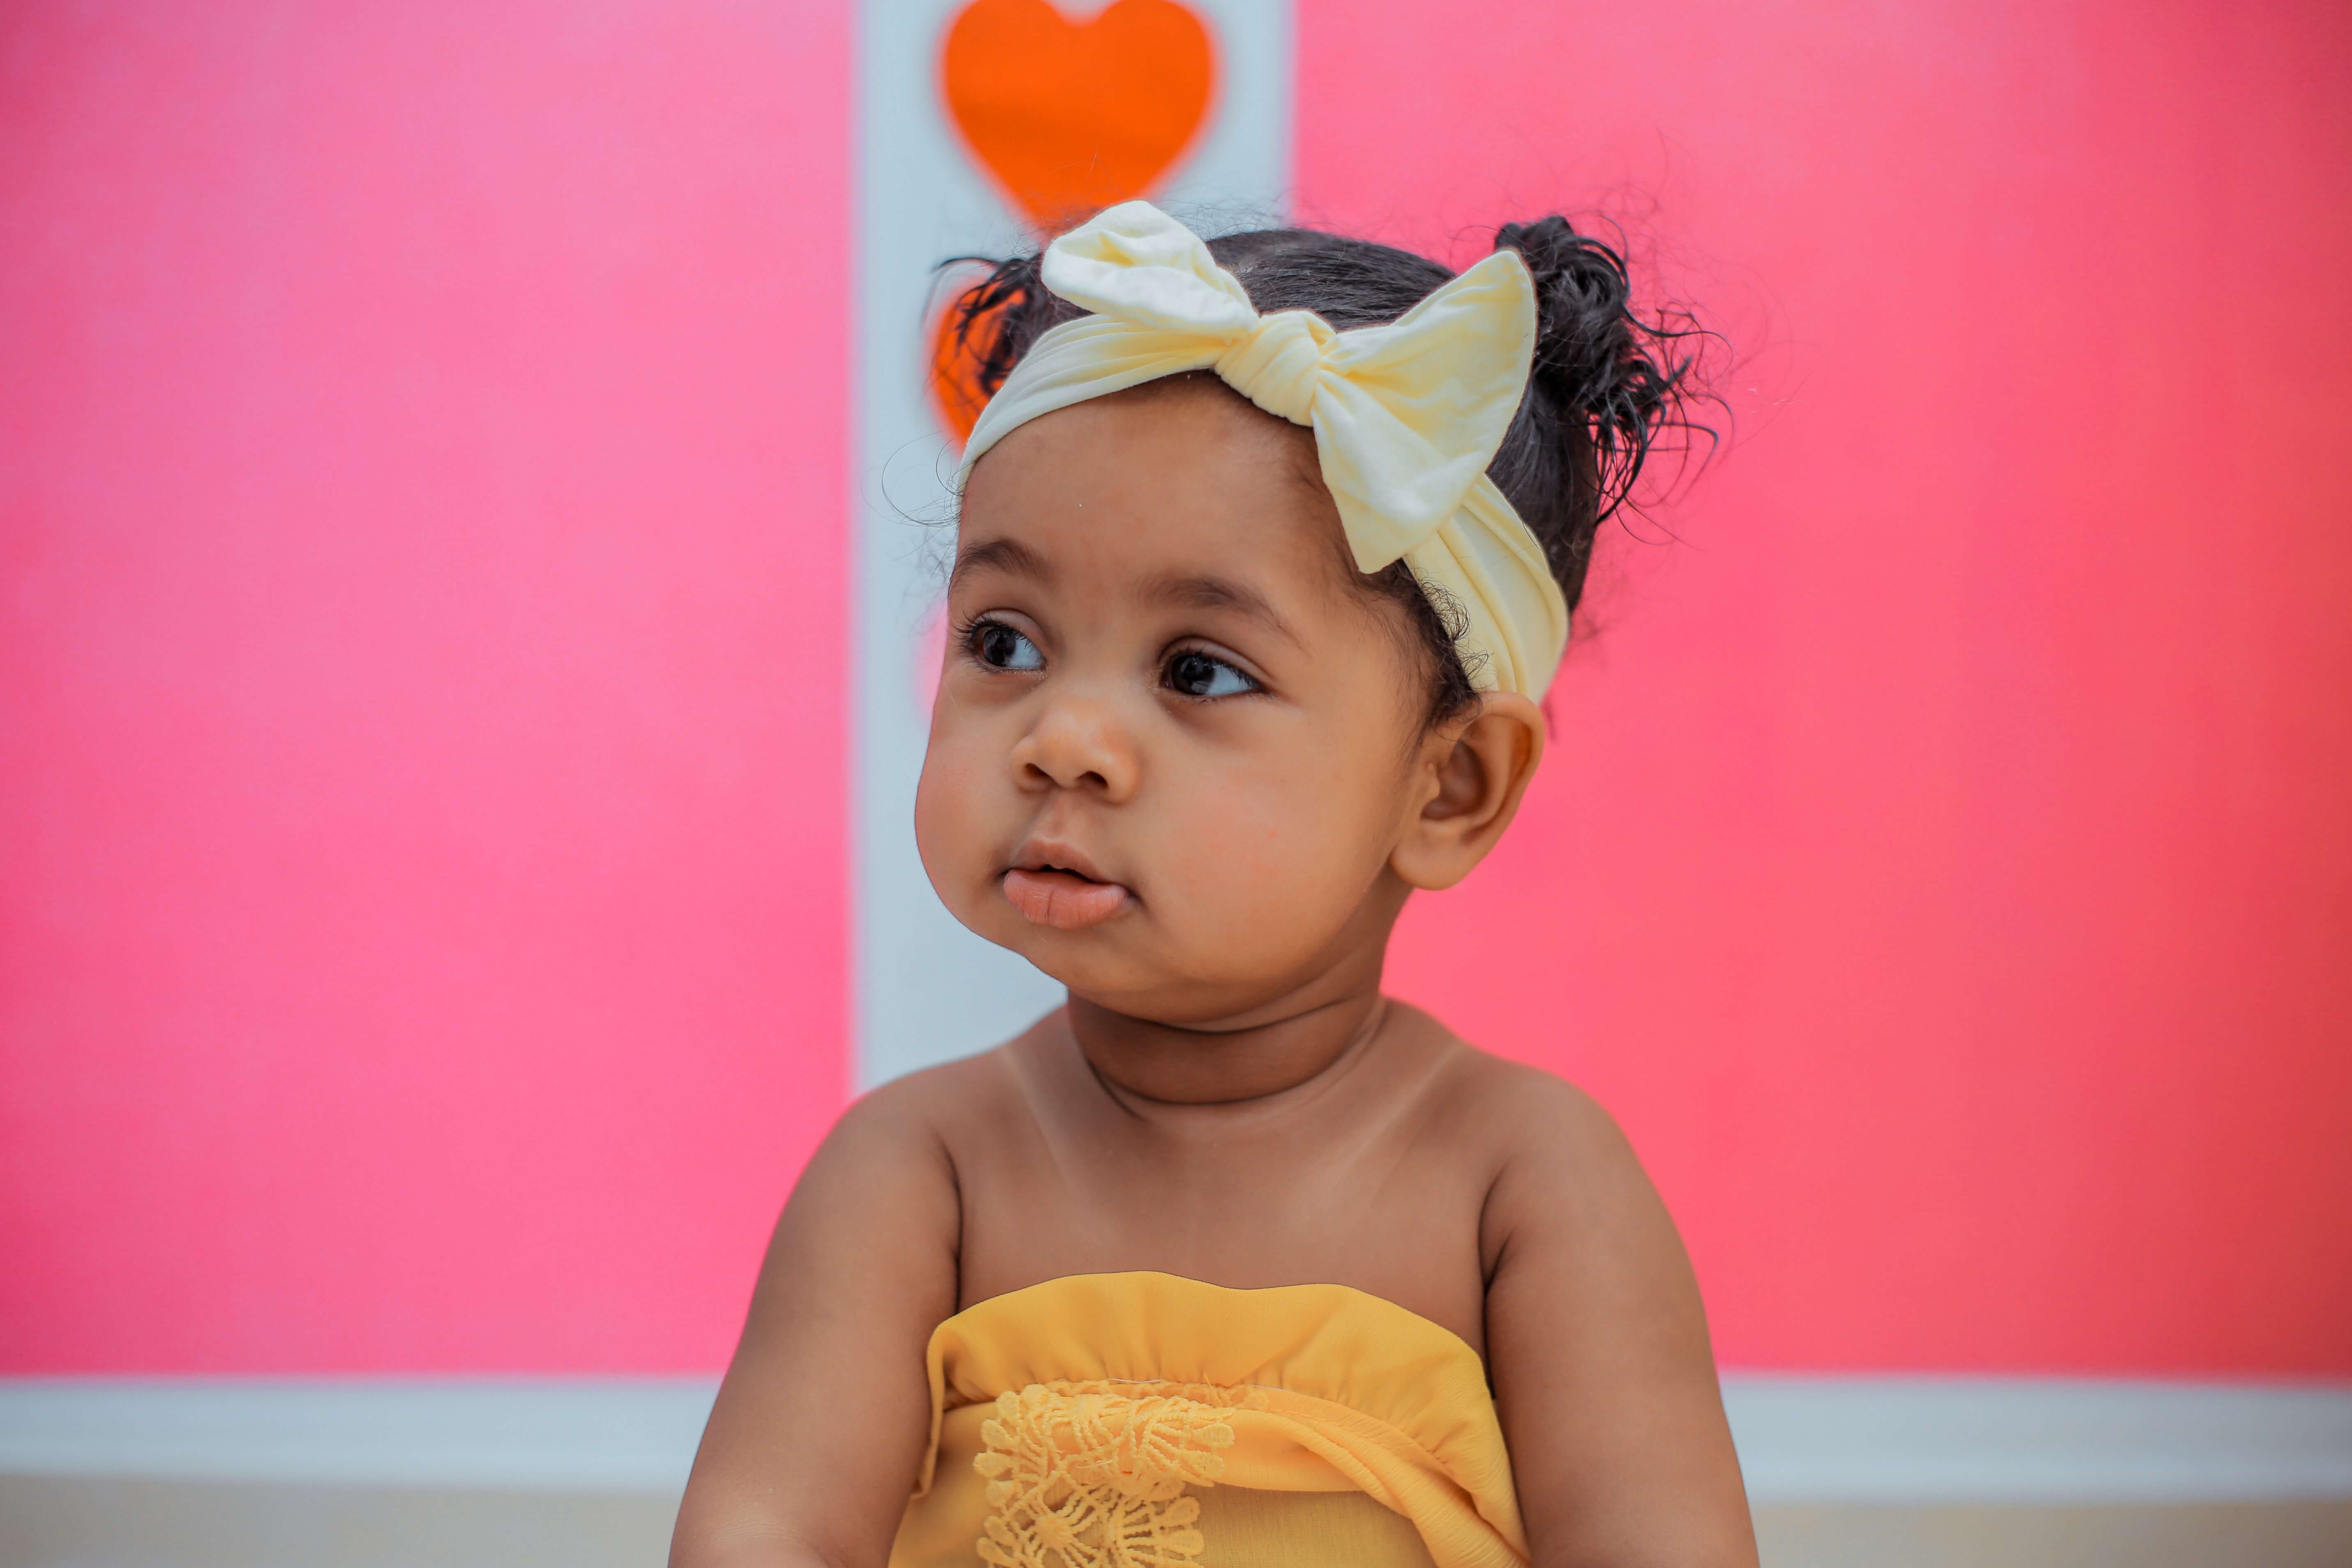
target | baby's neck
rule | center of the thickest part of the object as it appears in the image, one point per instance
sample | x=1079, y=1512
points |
x=1148, y=1063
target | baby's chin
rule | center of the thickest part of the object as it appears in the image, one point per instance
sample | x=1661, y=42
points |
x=1169, y=959
x=1128, y=969
x=1097, y=962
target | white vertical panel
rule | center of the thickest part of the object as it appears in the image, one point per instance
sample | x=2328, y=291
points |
x=926, y=989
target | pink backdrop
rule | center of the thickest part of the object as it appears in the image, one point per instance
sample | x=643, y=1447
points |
x=1946, y=868
x=422, y=764
x=424, y=470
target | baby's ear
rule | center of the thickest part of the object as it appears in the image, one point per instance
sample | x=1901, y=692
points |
x=1470, y=777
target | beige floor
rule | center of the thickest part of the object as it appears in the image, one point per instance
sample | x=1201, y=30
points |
x=2239, y=1535
x=158, y=1524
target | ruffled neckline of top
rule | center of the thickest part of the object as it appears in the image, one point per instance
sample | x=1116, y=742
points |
x=1330, y=1343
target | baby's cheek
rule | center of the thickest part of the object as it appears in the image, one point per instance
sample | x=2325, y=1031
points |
x=1275, y=864
x=953, y=812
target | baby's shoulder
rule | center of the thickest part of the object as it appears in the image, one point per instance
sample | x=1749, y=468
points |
x=1534, y=1127
x=934, y=1106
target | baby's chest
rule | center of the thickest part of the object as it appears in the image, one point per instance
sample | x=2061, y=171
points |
x=1387, y=1221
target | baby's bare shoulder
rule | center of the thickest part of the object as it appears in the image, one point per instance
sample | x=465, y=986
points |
x=931, y=1110
x=1522, y=1112
x=1551, y=1151
x=943, y=1095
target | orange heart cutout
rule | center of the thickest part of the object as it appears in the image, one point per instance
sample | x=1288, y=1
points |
x=1075, y=116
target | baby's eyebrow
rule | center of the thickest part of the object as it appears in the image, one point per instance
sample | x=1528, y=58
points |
x=1001, y=555
x=1207, y=593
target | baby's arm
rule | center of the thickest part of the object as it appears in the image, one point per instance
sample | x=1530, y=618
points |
x=1598, y=1347
x=813, y=1448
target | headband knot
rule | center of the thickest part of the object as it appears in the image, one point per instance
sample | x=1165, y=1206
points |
x=1406, y=416
x=1278, y=364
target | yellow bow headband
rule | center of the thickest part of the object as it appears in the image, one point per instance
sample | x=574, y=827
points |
x=1406, y=416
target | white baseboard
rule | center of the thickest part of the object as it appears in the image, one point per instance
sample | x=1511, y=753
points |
x=2052, y=1441
x=1802, y=1439
x=573, y=1434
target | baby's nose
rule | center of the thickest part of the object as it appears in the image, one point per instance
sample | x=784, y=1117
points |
x=1080, y=744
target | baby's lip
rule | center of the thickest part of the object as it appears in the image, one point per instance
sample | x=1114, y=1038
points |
x=1051, y=855
x=1054, y=885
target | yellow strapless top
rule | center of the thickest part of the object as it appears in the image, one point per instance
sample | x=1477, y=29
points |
x=1149, y=1421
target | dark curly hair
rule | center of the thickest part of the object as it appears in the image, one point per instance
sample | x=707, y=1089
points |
x=1605, y=384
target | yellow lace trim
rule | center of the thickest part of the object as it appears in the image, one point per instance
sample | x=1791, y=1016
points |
x=1092, y=1475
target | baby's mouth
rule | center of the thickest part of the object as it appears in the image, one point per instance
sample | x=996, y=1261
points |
x=1063, y=899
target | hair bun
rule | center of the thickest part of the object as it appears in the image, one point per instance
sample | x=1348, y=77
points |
x=1596, y=363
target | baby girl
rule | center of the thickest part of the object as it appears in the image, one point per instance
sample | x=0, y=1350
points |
x=1266, y=551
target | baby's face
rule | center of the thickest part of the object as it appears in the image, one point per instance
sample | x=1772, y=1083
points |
x=1175, y=744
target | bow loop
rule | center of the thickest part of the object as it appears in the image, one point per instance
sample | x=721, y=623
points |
x=1420, y=407
x=1135, y=262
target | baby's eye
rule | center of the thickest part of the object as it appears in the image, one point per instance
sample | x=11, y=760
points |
x=999, y=647
x=1197, y=674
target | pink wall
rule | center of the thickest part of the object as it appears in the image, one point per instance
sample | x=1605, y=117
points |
x=423, y=468
x=421, y=651
x=1946, y=868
